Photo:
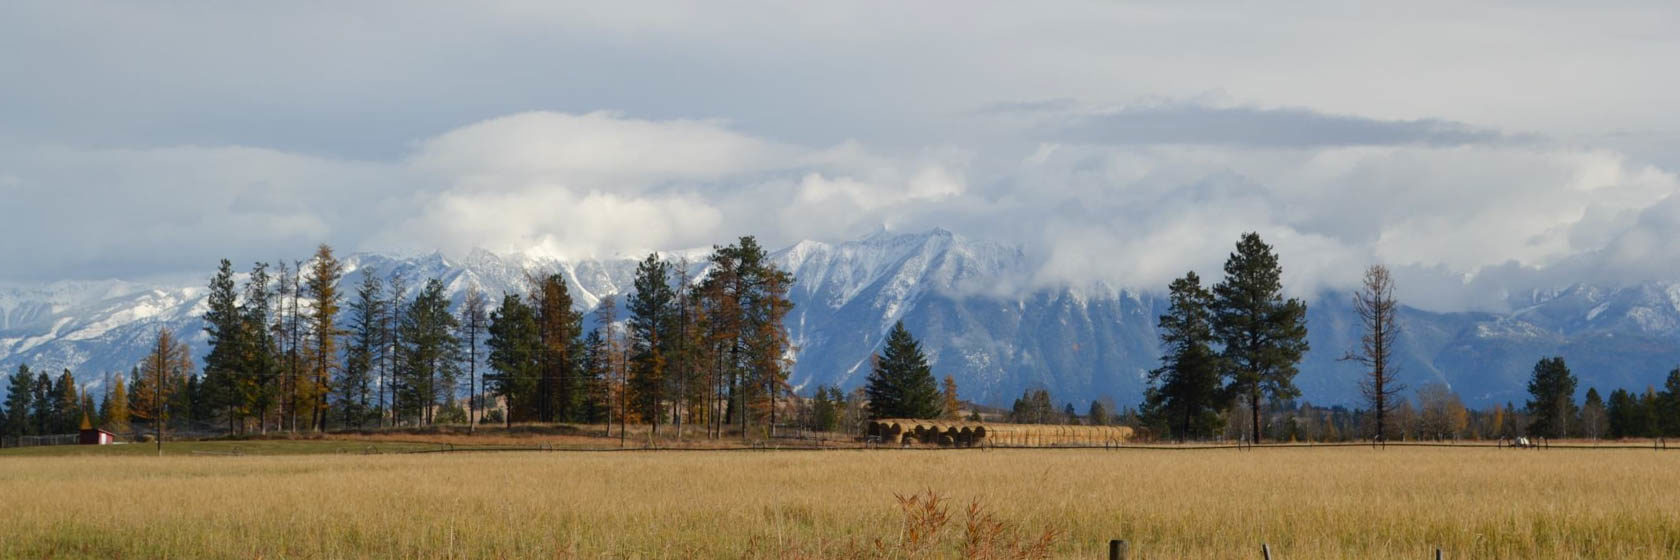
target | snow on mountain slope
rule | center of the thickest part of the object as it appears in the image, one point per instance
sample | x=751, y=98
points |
x=1082, y=345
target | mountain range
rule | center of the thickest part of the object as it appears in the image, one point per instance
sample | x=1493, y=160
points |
x=953, y=293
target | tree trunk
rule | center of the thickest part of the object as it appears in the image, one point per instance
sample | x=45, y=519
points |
x=1254, y=413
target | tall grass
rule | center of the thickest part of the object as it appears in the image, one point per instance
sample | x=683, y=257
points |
x=1305, y=503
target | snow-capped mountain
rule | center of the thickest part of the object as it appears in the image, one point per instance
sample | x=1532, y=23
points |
x=955, y=294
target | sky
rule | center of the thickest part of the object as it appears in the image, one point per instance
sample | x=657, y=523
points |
x=1479, y=150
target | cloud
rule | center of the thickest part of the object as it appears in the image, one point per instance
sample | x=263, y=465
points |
x=1249, y=126
x=1462, y=222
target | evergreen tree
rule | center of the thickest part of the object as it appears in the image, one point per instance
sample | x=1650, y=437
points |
x=1667, y=412
x=226, y=334
x=1071, y=415
x=366, y=315
x=1623, y=414
x=1651, y=404
x=1552, y=398
x=1594, y=418
x=67, y=407
x=20, y=402
x=513, y=345
x=1264, y=334
x=431, y=353
x=325, y=271
x=559, y=330
x=595, y=407
x=134, y=391
x=1032, y=408
x=652, y=309
x=1184, y=393
x=45, y=414
x=901, y=384
x=1098, y=414
x=826, y=405
x=258, y=385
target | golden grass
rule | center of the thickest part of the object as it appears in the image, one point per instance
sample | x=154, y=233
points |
x=1305, y=502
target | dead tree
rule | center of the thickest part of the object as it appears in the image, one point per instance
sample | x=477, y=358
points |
x=1379, y=315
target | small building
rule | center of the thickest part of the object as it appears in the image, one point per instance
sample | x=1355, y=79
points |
x=95, y=436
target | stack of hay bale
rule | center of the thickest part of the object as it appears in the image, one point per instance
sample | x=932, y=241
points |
x=948, y=433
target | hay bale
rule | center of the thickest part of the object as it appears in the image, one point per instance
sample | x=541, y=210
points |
x=945, y=440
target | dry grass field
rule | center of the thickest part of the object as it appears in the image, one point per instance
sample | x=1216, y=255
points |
x=1305, y=502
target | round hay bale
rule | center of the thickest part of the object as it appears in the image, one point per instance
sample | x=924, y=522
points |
x=945, y=440
x=895, y=430
x=979, y=433
x=907, y=439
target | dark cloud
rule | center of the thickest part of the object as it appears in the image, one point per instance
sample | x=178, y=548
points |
x=1273, y=128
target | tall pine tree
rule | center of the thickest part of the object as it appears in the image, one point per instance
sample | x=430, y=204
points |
x=325, y=271
x=1552, y=398
x=367, y=313
x=513, y=345
x=651, y=308
x=1263, y=333
x=1184, y=393
x=431, y=353
x=20, y=401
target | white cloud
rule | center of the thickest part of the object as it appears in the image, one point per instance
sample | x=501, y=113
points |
x=1461, y=221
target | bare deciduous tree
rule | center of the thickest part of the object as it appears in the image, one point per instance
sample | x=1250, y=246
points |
x=1379, y=312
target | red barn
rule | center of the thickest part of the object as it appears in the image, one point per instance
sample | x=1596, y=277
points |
x=95, y=436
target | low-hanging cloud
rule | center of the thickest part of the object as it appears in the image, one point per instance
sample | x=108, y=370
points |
x=1463, y=219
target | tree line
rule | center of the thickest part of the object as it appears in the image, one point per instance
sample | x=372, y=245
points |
x=289, y=350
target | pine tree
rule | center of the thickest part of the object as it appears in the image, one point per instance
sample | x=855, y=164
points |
x=1667, y=413
x=1552, y=402
x=1098, y=414
x=558, y=334
x=325, y=271
x=1594, y=419
x=596, y=406
x=258, y=385
x=366, y=315
x=45, y=400
x=513, y=344
x=1264, y=334
x=226, y=334
x=1184, y=393
x=745, y=306
x=20, y=395
x=651, y=307
x=1626, y=418
x=67, y=409
x=431, y=353
x=901, y=384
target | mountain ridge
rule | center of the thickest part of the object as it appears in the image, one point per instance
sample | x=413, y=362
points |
x=1080, y=344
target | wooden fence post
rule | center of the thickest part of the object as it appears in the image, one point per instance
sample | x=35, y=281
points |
x=1116, y=550
x=1266, y=551
x=1437, y=554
